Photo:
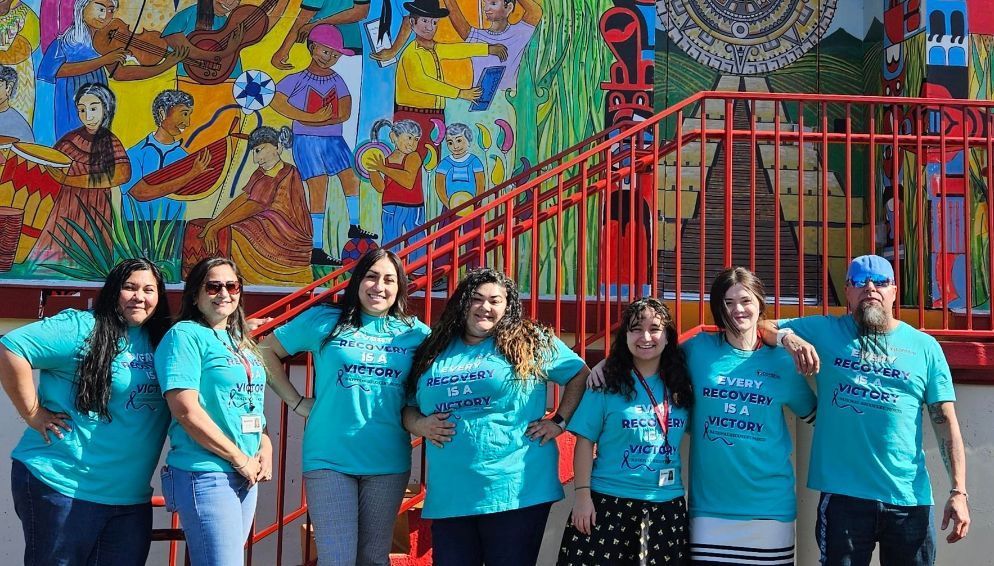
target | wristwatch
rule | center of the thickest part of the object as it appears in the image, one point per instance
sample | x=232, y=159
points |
x=559, y=420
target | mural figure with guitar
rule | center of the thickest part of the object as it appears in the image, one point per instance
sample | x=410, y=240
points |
x=213, y=33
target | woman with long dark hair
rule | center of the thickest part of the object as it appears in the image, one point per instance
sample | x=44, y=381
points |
x=629, y=506
x=481, y=382
x=96, y=423
x=742, y=502
x=99, y=163
x=363, y=347
x=214, y=381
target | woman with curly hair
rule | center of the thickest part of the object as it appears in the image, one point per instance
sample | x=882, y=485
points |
x=481, y=378
x=629, y=506
x=96, y=423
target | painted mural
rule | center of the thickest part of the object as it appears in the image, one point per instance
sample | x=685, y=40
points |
x=295, y=134
x=289, y=134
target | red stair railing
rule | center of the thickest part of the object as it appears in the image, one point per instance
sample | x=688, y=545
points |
x=794, y=184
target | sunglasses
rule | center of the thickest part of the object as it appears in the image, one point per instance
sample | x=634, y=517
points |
x=878, y=282
x=214, y=287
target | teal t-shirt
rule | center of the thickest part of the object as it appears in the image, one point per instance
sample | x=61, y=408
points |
x=868, y=440
x=740, y=465
x=631, y=452
x=192, y=356
x=358, y=391
x=98, y=461
x=185, y=22
x=490, y=466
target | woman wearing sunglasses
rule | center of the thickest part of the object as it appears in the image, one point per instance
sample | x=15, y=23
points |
x=96, y=423
x=357, y=455
x=213, y=379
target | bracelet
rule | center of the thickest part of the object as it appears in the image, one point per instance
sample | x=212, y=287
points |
x=581, y=487
x=781, y=334
x=299, y=401
x=247, y=459
x=954, y=491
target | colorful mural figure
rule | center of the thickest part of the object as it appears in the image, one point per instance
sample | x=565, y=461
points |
x=99, y=164
x=267, y=229
x=397, y=177
x=345, y=15
x=947, y=76
x=318, y=101
x=19, y=40
x=148, y=203
x=12, y=121
x=73, y=60
x=211, y=36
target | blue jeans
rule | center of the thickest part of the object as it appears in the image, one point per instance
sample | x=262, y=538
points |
x=508, y=538
x=62, y=531
x=216, y=510
x=399, y=219
x=849, y=528
x=353, y=516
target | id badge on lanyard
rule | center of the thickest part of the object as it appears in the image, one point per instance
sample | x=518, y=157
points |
x=662, y=412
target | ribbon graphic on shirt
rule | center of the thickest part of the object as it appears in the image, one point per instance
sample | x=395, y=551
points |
x=835, y=401
x=341, y=381
x=712, y=438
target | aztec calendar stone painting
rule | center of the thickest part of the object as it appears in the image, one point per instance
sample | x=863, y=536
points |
x=745, y=37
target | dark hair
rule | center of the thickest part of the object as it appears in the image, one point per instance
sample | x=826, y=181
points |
x=101, y=159
x=166, y=101
x=351, y=308
x=672, y=363
x=93, y=376
x=237, y=328
x=282, y=139
x=205, y=15
x=9, y=75
x=526, y=344
x=726, y=280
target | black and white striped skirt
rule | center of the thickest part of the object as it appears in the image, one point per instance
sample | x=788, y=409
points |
x=720, y=542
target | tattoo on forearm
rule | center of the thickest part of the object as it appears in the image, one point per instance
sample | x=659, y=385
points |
x=935, y=412
x=946, y=450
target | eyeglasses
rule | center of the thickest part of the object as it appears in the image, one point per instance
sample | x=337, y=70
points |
x=878, y=282
x=214, y=287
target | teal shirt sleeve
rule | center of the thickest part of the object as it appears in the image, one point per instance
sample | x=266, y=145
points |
x=306, y=332
x=564, y=363
x=179, y=360
x=588, y=420
x=807, y=327
x=185, y=21
x=798, y=394
x=52, y=343
x=939, y=387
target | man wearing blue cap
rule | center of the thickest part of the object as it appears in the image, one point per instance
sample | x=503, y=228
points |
x=867, y=459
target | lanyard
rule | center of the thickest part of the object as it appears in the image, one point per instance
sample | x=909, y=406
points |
x=245, y=364
x=662, y=415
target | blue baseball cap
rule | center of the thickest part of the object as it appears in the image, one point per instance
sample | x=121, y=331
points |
x=870, y=267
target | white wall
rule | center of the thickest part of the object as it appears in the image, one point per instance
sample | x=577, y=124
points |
x=975, y=409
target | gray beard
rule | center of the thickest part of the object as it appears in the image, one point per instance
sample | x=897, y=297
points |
x=871, y=320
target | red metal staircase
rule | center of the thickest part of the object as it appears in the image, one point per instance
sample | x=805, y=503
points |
x=788, y=185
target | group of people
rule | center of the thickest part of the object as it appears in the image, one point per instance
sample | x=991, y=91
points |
x=476, y=386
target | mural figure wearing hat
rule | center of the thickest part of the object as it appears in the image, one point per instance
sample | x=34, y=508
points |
x=421, y=89
x=345, y=15
x=319, y=102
